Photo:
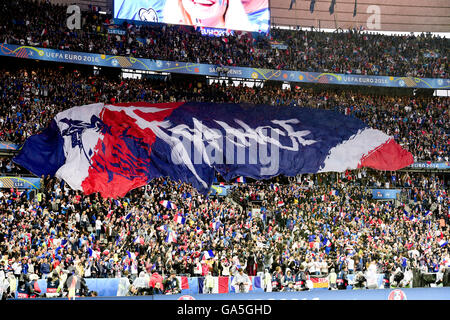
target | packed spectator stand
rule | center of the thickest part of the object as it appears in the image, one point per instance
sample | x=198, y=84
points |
x=310, y=224
x=353, y=52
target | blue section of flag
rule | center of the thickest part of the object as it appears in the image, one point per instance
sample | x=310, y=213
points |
x=44, y=152
x=308, y=159
x=200, y=284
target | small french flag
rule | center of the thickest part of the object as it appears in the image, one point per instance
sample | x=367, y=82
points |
x=168, y=204
x=240, y=179
x=131, y=255
x=199, y=231
x=208, y=255
x=180, y=219
x=171, y=237
x=216, y=225
x=428, y=213
x=139, y=240
x=443, y=243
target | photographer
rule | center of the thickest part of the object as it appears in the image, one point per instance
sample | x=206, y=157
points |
x=387, y=277
x=156, y=283
x=140, y=285
x=172, y=285
x=52, y=286
x=241, y=282
x=300, y=279
x=359, y=281
x=406, y=282
x=288, y=281
x=396, y=278
x=75, y=286
x=34, y=287
x=277, y=277
x=23, y=287
x=342, y=279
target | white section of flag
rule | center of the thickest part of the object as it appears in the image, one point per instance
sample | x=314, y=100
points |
x=348, y=154
x=76, y=167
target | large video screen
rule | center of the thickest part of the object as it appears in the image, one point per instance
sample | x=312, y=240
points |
x=247, y=15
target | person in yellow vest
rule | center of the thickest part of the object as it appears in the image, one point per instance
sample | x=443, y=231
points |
x=209, y=283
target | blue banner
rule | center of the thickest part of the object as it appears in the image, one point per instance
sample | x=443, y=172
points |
x=385, y=193
x=211, y=70
x=431, y=165
x=220, y=190
x=19, y=183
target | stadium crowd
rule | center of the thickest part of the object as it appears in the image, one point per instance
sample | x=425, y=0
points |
x=310, y=225
x=31, y=97
x=354, y=52
x=59, y=229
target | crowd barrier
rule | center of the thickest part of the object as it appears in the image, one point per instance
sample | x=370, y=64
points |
x=372, y=294
x=116, y=287
x=442, y=293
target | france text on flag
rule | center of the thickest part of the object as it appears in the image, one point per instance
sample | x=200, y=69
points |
x=113, y=148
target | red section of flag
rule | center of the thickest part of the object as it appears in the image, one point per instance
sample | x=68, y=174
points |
x=115, y=170
x=390, y=156
x=184, y=283
x=223, y=284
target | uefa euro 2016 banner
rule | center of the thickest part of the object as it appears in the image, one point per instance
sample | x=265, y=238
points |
x=385, y=193
x=248, y=15
x=19, y=183
x=431, y=165
x=113, y=148
x=104, y=60
x=220, y=190
x=9, y=146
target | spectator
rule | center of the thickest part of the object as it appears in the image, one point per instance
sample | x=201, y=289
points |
x=332, y=280
x=241, y=282
x=209, y=283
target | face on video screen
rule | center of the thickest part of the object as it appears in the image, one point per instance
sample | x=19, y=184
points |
x=205, y=9
x=248, y=15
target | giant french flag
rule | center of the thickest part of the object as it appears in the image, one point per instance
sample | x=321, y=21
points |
x=113, y=148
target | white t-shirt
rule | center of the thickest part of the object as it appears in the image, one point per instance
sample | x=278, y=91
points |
x=312, y=267
x=323, y=267
x=17, y=267
x=98, y=224
x=226, y=270
x=351, y=264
